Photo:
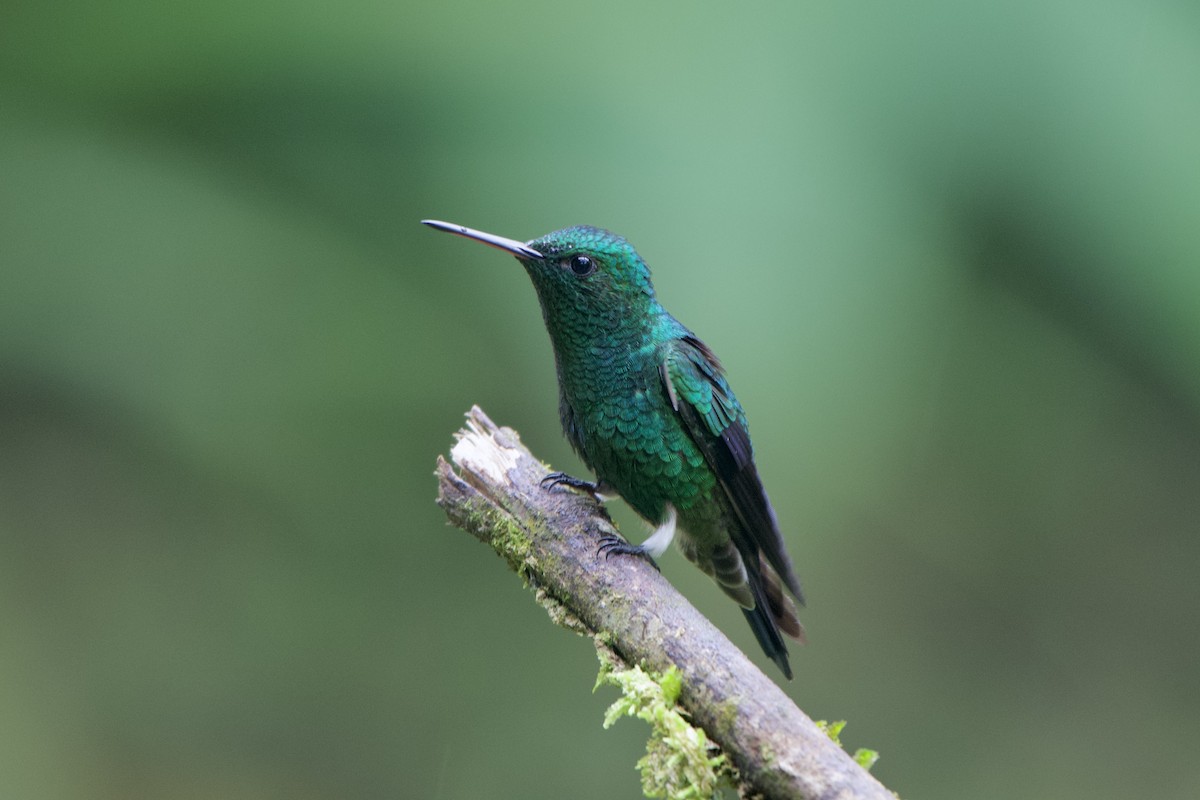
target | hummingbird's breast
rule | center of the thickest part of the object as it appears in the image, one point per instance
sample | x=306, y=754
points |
x=618, y=417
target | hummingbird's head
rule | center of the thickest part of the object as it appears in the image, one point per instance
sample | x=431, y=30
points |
x=584, y=276
x=591, y=272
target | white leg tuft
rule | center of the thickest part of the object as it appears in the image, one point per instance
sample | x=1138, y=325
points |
x=660, y=540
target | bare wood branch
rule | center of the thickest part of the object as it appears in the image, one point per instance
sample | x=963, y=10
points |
x=550, y=538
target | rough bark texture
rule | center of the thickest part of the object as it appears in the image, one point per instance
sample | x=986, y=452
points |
x=550, y=538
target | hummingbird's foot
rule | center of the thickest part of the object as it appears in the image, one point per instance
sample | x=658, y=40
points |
x=563, y=479
x=611, y=544
x=600, y=490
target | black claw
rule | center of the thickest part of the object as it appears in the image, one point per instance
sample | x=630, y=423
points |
x=563, y=479
x=611, y=543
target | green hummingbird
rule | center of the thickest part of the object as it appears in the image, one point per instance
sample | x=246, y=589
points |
x=647, y=407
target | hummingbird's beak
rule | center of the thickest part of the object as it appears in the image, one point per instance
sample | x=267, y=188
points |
x=508, y=245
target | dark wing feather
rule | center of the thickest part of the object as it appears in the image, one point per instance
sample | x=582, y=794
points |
x=696, y=385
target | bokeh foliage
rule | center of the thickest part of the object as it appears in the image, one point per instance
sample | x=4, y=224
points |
x=948, y=252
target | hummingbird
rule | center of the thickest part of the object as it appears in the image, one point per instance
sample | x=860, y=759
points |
x=646, y=406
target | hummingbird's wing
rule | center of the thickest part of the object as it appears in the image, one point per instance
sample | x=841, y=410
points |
x=714, y=419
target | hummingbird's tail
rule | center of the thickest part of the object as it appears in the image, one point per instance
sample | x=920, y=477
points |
x=758, y=590
x=783, y=610
x=767, y=633
x=773, y=614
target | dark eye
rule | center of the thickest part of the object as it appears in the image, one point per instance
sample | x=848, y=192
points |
x=582, y=265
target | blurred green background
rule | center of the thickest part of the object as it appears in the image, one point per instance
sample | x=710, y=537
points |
x=950, y=254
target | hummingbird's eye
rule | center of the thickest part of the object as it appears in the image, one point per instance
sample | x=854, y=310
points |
x=582, y=265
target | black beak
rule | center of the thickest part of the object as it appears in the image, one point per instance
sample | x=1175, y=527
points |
x=508, y=245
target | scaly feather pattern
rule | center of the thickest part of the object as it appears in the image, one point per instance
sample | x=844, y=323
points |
x=648, y=408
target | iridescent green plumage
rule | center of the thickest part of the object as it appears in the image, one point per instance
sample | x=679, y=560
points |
x=646, y=405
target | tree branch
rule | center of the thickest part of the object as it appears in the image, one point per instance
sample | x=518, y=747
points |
x=550, y=538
